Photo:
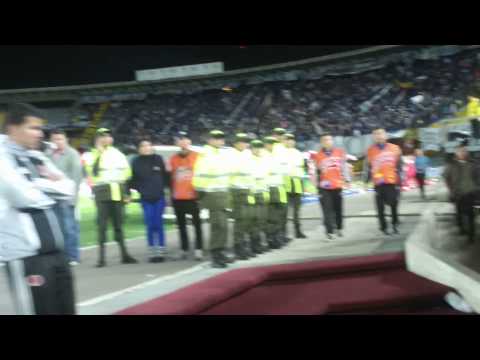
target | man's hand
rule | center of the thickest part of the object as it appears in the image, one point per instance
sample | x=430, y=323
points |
x=127, y=200
x=45, y=173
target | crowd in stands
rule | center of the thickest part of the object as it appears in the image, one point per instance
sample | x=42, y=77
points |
x=397, y=96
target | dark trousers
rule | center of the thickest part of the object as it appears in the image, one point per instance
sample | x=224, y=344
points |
x=331, y=202
x=42, y=285
x=294, y=202
x=464, y=206
x=421, y=183
x=110, y=210
x=386, y=194
x=182, y=208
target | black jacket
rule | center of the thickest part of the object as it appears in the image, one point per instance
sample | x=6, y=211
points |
x=149, y=177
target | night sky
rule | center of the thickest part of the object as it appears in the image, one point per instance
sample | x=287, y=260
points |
x=60, y=65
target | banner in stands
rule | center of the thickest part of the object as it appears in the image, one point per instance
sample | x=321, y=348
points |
x=114, y=97
x=179, y=71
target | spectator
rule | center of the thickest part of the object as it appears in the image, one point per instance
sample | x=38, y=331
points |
x=29, y=184
x=68, y=161
x=459, y=177
x=421, y=165
x=149, y=178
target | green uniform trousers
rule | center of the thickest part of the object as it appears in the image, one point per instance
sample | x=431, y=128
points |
x=217, y=203
x=276, y=213
x=260, y=216
x=242, y=213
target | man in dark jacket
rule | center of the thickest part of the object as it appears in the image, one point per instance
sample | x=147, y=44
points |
x=149, y=178
x=459, y=177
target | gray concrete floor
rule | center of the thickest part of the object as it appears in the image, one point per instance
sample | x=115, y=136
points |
x=110, y=289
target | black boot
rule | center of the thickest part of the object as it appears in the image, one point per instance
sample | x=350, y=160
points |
x=256, y=245
x=249, y=249
x=126, y=258
x=273, y=243
x=226, y=259
x=217, y=260
x=299, y=234
x=101, y=258
x=395, y=229
x=240, y=253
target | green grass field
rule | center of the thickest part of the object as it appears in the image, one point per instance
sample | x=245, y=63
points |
x=133, y=227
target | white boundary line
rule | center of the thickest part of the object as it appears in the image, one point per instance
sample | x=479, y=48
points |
x=140, y=286
x=126, y=240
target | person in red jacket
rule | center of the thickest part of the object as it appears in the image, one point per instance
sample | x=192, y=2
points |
x=184, y=196
x=333, y=176
x=383, y=166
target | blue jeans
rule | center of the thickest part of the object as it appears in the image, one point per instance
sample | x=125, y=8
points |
x=71, y=231
x=153, y=216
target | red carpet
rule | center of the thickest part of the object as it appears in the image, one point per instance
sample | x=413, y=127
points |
x=363, y=285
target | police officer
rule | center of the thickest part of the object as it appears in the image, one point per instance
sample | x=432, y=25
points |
x=277, y=196
x=241, y=186
x=383, y=165
x=260, y=175
x=280, y=153
x=211, y=177
x=294, y=184
x=110, y=171
x=333, y=175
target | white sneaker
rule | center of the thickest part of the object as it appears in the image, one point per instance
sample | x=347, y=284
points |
x=73, y=263
x=198, y=255
x=457, y=302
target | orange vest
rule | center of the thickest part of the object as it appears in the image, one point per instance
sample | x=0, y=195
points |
x=383, y=163
x=182, y=174
x=331, y=177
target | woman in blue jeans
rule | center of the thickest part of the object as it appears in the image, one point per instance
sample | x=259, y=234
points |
x=149, y=178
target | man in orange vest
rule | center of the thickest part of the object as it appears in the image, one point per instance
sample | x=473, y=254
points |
x=383, y=166
x=184, y=196
x=333, y=176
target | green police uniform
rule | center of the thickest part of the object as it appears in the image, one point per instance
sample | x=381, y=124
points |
x=260, y=173
x=211, y=180
x=241, y=186
x=294, y=184
x=277, y=197
x=109, y=171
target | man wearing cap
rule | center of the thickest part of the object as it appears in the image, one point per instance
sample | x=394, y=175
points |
x=211, y=181
x=241, y=185
x=260, y=173
x=277, y=195
x=184, y=196
x=294, y=184
x=280, y=153
x=110, y=171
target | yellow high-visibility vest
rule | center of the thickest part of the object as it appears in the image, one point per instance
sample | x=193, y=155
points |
x=113, y=169
x=212, y=170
